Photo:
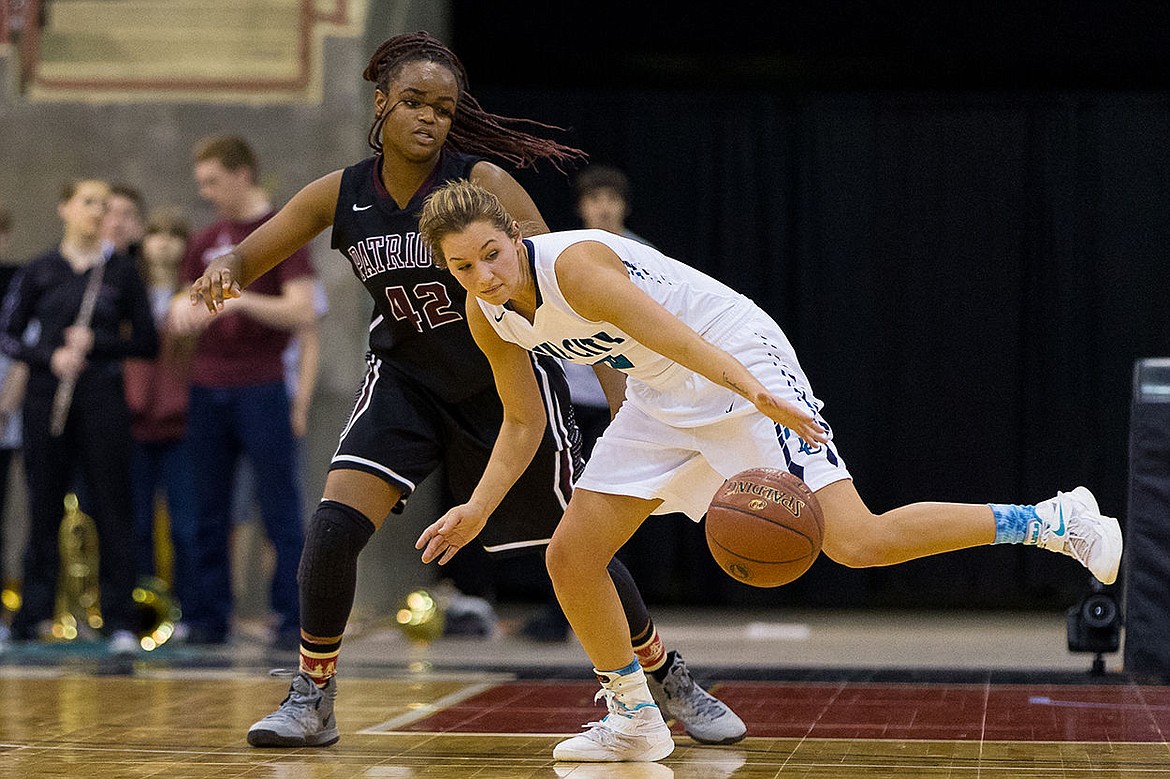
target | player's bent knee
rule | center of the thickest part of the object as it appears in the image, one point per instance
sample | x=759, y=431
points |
x=854, y=536
x=565, y=561
x=556, y=560
x=336, y=535
x=854, y=554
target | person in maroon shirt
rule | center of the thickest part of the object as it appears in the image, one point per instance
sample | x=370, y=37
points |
x=239, y=404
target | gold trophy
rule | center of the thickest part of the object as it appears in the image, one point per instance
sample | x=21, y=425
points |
x=77, y=613
x=78, y=608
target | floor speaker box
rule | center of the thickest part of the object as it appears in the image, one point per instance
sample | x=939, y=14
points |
x=1146, y=564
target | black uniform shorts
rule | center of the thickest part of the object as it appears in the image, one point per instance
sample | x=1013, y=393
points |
x=401, y=431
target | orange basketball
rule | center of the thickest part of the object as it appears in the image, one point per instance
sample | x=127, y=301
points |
x=764, y=527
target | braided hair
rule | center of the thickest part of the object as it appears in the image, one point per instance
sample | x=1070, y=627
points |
x=473, y=130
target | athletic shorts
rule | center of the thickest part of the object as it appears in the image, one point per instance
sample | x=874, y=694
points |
x=645, y=457
x=401, y=432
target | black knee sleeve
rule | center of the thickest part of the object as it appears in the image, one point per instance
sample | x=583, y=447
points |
x=327, y=574
x=636, y=612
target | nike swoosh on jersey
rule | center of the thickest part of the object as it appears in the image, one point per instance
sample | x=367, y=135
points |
x=362, y=208
x=498, y=318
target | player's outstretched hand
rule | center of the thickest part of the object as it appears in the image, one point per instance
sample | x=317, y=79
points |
x=450, y=533
x=779, y=410
x=216, y=285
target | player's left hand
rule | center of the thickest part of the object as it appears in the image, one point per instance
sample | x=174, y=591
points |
x=450, y=533
x=779, y=410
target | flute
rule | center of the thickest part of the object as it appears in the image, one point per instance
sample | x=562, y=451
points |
x=63, y=398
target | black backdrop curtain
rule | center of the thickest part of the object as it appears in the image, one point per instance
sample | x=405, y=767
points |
x=967, y=278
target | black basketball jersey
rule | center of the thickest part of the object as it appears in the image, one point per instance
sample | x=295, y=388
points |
x=418, y=326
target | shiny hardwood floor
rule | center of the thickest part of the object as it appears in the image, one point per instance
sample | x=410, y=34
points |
x=824, y=695
x=141, y=720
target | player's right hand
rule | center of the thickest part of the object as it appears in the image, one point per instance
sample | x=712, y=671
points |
x=451, y=532
x=216, y=285
x=184, y=319
x=779, y=410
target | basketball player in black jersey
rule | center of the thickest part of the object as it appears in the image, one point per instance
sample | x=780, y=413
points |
x=428, y=396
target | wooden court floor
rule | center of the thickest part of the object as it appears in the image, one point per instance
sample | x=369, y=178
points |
x=141, y=721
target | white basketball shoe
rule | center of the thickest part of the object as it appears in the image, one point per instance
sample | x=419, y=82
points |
x=632, y=730
x=1072, y=524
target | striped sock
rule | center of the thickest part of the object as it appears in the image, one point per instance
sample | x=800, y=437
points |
x=651, y=652
x=319, y=660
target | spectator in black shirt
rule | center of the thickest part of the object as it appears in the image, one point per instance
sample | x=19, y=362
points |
x=39, y=327
x=12, y=380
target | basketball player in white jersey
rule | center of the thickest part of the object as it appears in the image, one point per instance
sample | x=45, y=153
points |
x=713, y=388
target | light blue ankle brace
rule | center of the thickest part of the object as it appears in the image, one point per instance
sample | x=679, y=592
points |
x=629, y=669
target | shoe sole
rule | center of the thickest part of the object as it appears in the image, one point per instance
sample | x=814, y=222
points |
x=270, y=738
x=1112, y=534
x=719, y=741
x=649, y=756
x=1113, y=538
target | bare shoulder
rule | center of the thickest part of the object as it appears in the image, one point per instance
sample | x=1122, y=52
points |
x=490, y=176
x=587, y=258
x=328, y=187
x=512, y=195
x=481, y=330
x=590, y=276
x=318, y=198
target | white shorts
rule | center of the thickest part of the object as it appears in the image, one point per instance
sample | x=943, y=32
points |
x=644, y=457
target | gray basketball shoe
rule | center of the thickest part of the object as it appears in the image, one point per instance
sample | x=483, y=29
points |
x=705, y=718
x=304, y=719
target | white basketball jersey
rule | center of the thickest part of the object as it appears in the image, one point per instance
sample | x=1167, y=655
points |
x=662, y=388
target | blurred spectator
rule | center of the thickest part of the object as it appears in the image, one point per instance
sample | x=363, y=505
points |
x=157, y=392
x=123, y=223
x=302, y=359
x=603, y=200
x=239, y=404
x=13, y=377
x=40, y=327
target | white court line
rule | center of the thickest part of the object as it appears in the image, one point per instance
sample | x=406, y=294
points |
x=753, y=631
x=1043, y=700
x=354, y=676
x=459, y=734
x=35, y=672
x=427, y=709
